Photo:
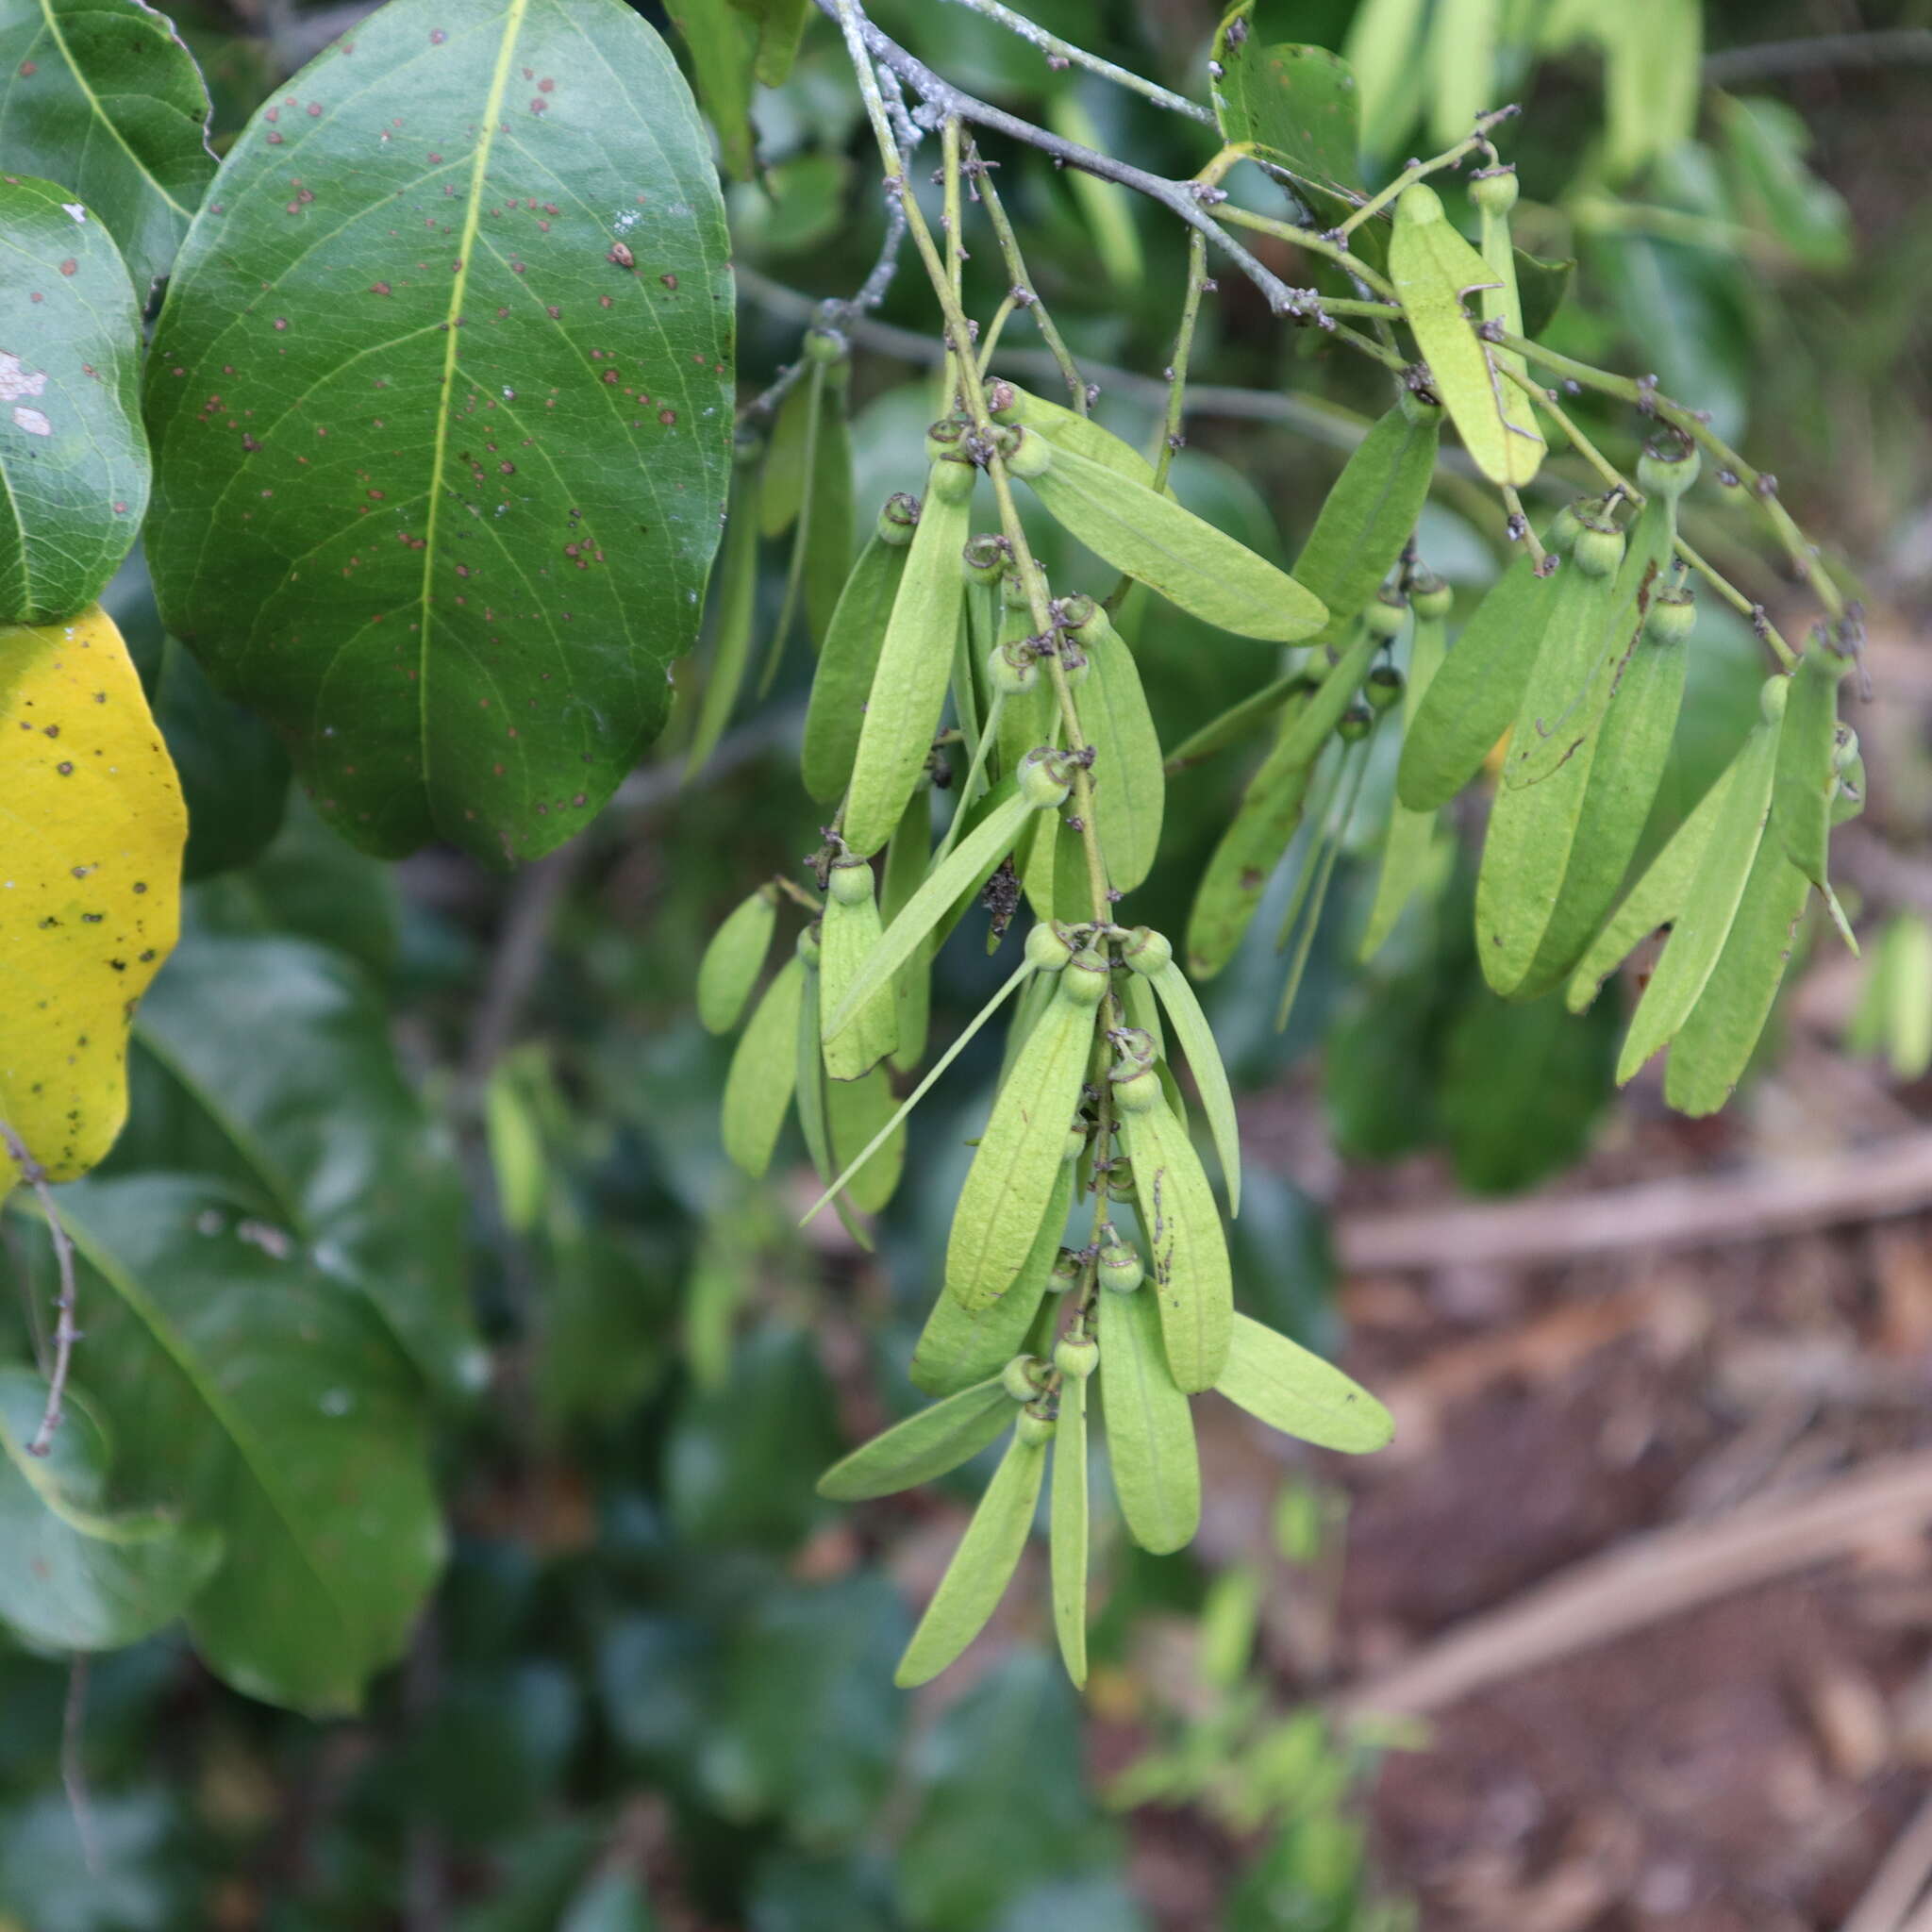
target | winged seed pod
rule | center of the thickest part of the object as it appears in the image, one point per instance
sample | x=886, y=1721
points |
x=1067, y=1510
x=1494, y=191
x=1290, y=1389
x=1433, y=268
x=734, y=614
x=1192, y=1281
x=915, y=664
x=809, y=1081
x=1016, y=1167
x=1368, y=516
x=1154, y=541
x=856, y=1112
x=850, y=932
x=1657, y=898
x=758, y=1089
x=1268, y=815
x=1710, y=903
x=1410, y=846
x=907, y=855
x=1066, y=430
x=829, y=539
x=1802, y=790
x=735, y=958
x=1150, y=1428
x=850, y=653
x=1715, y=1043
x=1128, y=784
x=1150, y=956
x=922, y=1447
x=1533, y=824
x=958, y=1345
x=1646, y=674
x=982, y=1566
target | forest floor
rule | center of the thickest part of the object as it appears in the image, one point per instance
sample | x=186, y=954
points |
x=1648, y=1560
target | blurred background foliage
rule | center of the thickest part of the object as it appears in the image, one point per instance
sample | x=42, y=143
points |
x=654, y=1688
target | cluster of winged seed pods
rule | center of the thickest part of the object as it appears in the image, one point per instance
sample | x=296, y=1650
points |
x=1087, y=1246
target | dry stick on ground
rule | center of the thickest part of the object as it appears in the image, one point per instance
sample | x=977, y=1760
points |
x=1896, y=1884
x=65, y=1333
x=1861, y=1184
x=1648, y=1580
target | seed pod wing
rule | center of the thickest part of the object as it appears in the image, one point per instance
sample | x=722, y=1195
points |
x=981, y=1568
x=1182, y=556
x=1290, y=1389
x=1801, y=795
x=1150, y=1428
x=758, y=1089
x=849, y=657
x=1188, y=1274
x=1710, y=906
x=734, y=960
x=1017, y=1166
x=1068, y=1527
x=1196, y=1038
x=922, y=1447
x=1129, y=786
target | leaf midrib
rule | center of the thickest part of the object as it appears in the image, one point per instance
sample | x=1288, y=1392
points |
x=101, y=114
x=472, y=211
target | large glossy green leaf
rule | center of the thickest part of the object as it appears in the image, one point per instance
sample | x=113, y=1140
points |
x=1299, y=105
x=73, y=467
x=277, y=1059
x=267, y=1401
x=101, y=96
x=78, y=1576
x=441, y=396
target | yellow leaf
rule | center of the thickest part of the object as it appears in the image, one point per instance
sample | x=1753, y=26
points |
x=92, y=827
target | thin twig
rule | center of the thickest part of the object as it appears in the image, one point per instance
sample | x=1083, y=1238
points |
x=65, y=1333
x=1184, y=199
x=1062, y=51
x=1894, y=47
x=1025, y=293
x=1662, y=1575
x=1449, y=158
x=73, y=1763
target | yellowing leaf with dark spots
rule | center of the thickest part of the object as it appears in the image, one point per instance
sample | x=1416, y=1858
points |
x=92, y=828
x=441, y=398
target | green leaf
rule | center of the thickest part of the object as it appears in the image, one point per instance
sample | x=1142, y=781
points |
x=1297, y=104
x=722, y=45
x=1710, y=903
x=1433, y=268
x=830, y=543
x=981, y=1568
x=1196, y=1039
x=1300, y=1394
x=961, y=871
x=1540, y=287
x=1370, y=515
x=1766, y=141
x=1150, y=1428
x=924, y=1446
x=270, y=1405
x=1188, y=1267
x=74, y=458
x=423, y=500
x=78, y=1577
x=1068, y=1526
x=102, y=96
x=1175, y=552
x=281, y=1052
x=779, y=36
x=1383, y=50
x=233, y=773
x=734, y=617
x=1714, y=1045
x=1017, y=1166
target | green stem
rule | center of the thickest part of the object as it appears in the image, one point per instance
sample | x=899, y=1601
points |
x=1023, y=293
x=1417, y=171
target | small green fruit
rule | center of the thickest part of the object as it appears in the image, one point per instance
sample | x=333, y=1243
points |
x=1047, y=948
x=1022, y=1376
x=1673, y=616
x=1035, y=1426
x=1077, y=1355
x=1148, y=952
x=1383, y=688
x=1045, y=778
x=1085, y=980
x=1121, y=1267
x=1384, y=617
x=1356, y=722
x=1495, y=189
x=1429, y=596
x=851, y=881
x=1599, y=547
